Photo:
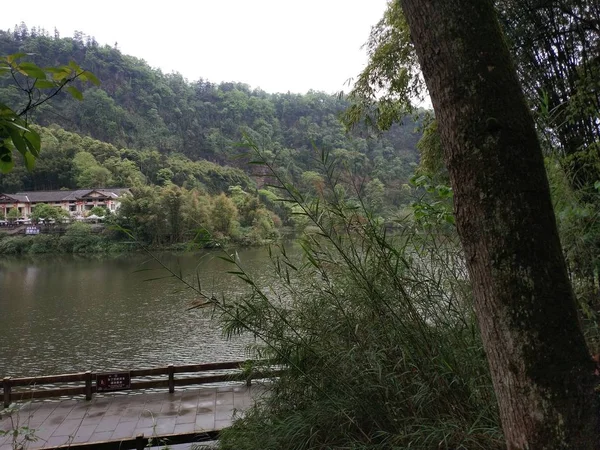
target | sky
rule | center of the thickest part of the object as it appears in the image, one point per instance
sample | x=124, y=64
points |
x=275, y=45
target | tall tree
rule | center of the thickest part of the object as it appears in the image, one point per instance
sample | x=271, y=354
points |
x=541, y=368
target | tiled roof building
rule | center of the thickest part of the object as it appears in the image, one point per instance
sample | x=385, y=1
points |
x=76, y=202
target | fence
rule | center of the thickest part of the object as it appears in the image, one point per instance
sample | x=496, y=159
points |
x=27, y=388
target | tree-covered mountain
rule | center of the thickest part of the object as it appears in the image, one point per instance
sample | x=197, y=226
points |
x=160, y=123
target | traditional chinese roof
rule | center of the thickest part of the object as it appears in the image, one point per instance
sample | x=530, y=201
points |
x=62, y=196
x=11, y=198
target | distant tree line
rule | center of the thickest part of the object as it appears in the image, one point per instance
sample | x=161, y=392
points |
x=157, y=127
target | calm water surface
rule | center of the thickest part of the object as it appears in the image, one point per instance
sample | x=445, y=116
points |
x=68, y=313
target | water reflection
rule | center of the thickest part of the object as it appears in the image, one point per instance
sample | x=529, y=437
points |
x=65, y=313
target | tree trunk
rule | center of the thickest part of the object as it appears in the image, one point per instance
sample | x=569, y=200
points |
x=542, y=372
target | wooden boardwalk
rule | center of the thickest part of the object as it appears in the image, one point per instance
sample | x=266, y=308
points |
x=117, y=416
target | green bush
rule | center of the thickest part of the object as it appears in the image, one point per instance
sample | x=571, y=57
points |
x=377, y=337
x=15, y=245
x=381, y=351
x=44, y=243
x=80, y=239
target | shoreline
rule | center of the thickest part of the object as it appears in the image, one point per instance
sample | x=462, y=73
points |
x=95, y=243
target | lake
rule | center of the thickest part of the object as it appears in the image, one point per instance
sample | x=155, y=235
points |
x=71, y=313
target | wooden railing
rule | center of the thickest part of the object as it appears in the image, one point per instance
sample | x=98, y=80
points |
x=27, y=388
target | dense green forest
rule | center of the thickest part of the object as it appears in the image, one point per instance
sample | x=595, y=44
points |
x=151, y=128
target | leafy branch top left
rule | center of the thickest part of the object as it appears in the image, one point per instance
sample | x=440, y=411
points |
x=37, y=85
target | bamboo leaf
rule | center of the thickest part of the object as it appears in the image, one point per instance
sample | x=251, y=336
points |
x=227, y=259
x=160, y=278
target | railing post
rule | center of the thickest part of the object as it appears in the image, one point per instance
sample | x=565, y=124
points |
x=88, y=385
x=6, y=384
x=249, y=377
x=139, y=442
x=171, y=372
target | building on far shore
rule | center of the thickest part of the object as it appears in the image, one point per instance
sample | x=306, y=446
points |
x=75, y=202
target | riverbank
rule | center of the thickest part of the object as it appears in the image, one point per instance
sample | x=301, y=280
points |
x=83, y=238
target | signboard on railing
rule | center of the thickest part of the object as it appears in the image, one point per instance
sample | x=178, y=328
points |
x=116, y=381
x=32, y=230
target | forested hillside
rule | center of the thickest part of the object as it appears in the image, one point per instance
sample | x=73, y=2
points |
x=157, y=127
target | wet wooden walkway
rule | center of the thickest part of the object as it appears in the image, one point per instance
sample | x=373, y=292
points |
x=116, y=417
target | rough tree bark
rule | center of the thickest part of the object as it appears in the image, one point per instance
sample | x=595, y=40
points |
x=541, y=369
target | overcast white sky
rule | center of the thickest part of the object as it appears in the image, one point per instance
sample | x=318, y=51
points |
x=276, y=45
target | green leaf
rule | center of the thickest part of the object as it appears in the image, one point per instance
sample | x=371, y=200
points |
x=60, y=74
x=12, y=124
x=31, y=70
x=29, y=160
x=11, y=58
x=76, y=93
x=7, y=114
x=18, y=140
x=58, y=69
x=74, y=66
x=6, y=160
x=45, y=84
x=227, y=259
x=33, y=141
x=89, y=76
